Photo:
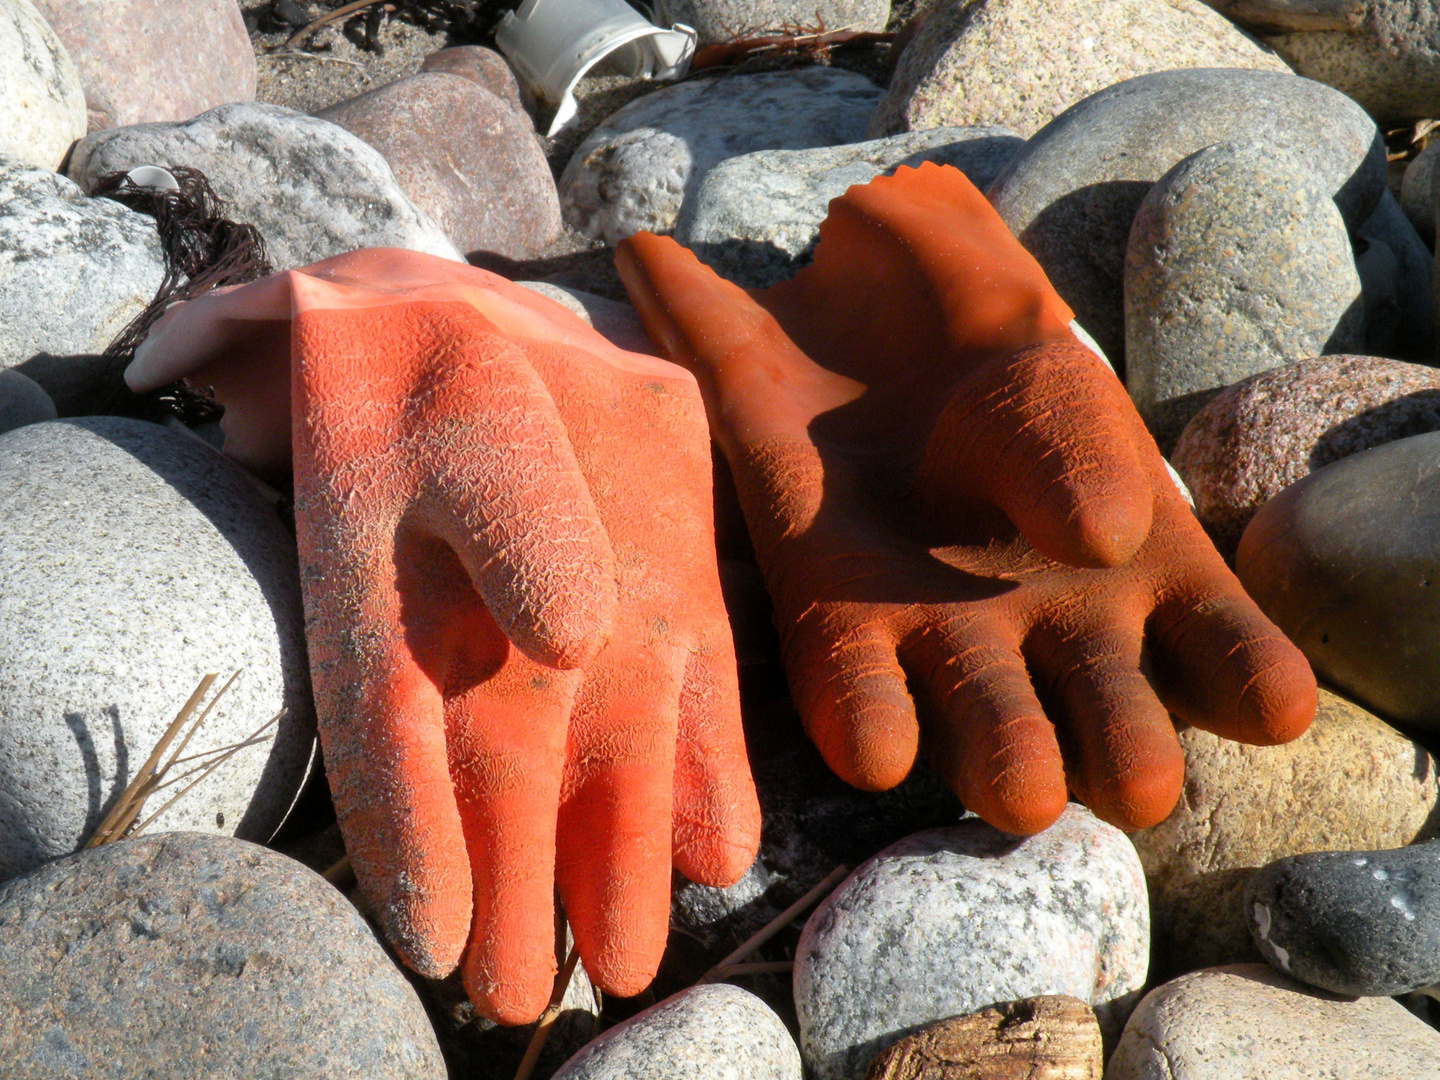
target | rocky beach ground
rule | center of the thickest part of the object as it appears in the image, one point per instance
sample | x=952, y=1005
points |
x=1236, y=200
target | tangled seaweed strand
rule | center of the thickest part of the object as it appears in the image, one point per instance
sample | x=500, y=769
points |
x=203, y=250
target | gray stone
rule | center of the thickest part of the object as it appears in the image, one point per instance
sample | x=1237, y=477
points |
x=73, y=270
x=146, y=60
x=1072, y=191
x=726, y=20
x=1238, y=261
x=136, y=559
x=1351, y=781
x=44, y=106
x=638, y=167
x=1417, y=191
x=465, y=157
x=1396, y=278
x=954, y=919
x=704, y=1033
x=613, y=320
x=1360, y=923
x=755, y=218
x=312, y=189
x=1246, y=1021
x=1261, y=435
x=186, y=956
x=22, y=401
x=1021, y=64
x=1346, y=561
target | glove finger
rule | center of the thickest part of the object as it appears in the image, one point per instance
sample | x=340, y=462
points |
x=474, y=421
x=613, y=839
x=1049, y=436
x=1223, y=666
x=990, y=739
x=507, y=751
x=1122, y=755
x=715, y=812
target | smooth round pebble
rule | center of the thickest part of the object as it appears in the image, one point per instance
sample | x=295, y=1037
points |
x=312, y=189
x=22, y=401
x=637, y=168
x=1019, y=64
x=755, y=218
x=1351, y=781
x=484, y=67
x=1072, y=191
x=1246, y=1021
x=1238, y=262
x=44, y=105
x=951, y=920
x=1265, y=432
x=1397, y=285
x=1417, y=191
x=710, y=1032
x=1346, y=561
x=186, y=956
x=1361, y=923
x=136, y=559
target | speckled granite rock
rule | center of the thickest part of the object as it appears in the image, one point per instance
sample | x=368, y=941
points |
x=1262, y=434
x=22, y=401
x=726, y=20
x=639, y=166
x=189, y=956
x=73, y=270
x=1071, y=192
x=755, y=218
x=1020, y=64
x=44, y=105
x=312, y=189
x=1051, y=1037
x=1346, y=561
x=1247, y=1021
x=1396, y=279
x=702, y=1033
x=950, y=920
x=1351, y=781
x=1385, y=55
x=1237, y=262
x=146, y=60
x=484, y=67
x=1359, y=923
x=136, y=559
x=1417, y=191
x=465, y=157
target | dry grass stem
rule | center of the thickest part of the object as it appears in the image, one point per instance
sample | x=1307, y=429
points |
x=767, y=967
x=327, y=18
x=775, y=925
x=341, y=873
x=548, y=1017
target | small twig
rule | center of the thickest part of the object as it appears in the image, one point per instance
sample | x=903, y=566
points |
x=339, y=871
x=327, y=18
x=767, y=967
x=775, y=925
x=300, y=54
x=548, y=1017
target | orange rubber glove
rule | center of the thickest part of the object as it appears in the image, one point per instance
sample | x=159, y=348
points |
x=887, y=415
x=485, y=491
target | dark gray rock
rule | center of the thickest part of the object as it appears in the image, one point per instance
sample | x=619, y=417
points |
x=22, y=401
x=312, y=189
x=1347, y=562
x=1360, y=923
x=702, y=1033
x=197, y=956
x=755, y=218
x=1417, y=191
x=951, y=920
x=135, y=559
x=1072, y=191
x=1396, y=279
x=1238, y=261
x=636, y=170
x=725, y=20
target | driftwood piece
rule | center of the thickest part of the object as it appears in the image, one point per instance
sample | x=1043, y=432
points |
x=1289, y=15
x=1040, y=1038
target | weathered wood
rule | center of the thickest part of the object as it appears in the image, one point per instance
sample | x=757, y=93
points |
x=1041, y=1038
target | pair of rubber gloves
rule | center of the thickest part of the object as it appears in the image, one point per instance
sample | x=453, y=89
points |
x=523, y=672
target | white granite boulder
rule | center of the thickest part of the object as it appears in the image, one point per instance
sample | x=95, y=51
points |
x=42, y=107
x=704, y=1033
x=312, y=189
x=135, y=559
x=755, y=218
x=951, y=920
x=637, y=168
